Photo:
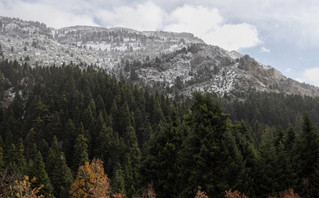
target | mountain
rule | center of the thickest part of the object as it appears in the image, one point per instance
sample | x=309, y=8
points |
x=176, y=63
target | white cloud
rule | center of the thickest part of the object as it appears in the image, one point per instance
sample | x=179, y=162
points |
x=198, y=20
x=264, y=50
x=278, y=20
x=312, y=76
x=204, y=22
x=233, y=37
x=45, y=13
x=209, y=25
x=147, y=16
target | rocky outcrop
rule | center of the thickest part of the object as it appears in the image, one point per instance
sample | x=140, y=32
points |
x=175, y=63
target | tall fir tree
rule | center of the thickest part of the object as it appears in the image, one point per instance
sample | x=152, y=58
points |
x=161, y=163
x=306, y=158
x=80, y=154
x=36, y=169
x=209, y=156
x=21, y=161
x=58, y=171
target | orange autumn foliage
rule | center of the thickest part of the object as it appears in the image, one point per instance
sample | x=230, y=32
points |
x=23, y=189
x=288, y=194
x=200, y=194
x=235, y=194
x=119, y=195
x=91, y=181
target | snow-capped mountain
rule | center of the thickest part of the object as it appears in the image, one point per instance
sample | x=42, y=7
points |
x=177, y=63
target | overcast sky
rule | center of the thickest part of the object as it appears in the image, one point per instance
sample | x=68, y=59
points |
x=280, y=33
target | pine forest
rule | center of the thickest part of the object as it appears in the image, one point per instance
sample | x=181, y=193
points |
x=76, y=131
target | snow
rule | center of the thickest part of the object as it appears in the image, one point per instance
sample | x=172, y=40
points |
x=208, y=68
x=235, y=54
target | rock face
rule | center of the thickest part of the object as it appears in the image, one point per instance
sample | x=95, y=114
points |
x=176, y=63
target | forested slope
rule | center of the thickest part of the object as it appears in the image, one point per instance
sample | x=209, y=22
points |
x=55, y=120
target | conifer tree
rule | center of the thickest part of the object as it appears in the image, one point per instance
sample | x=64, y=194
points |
x=118, y=179
x=61, y=177
x=306, y=157
x=89, y=125
x=132, y=161
x=247, y=149
x=71, y=133
x=104, y=143
x=21, y=162
x=80, y=155
x=58, y=171
x=43, y=148
x=14, y=127
x=160, y=165
x=290, y=140
x=31, y=149
x=209, y=156
x=266, y=181
x=36, y=169
x=11, y=158
x=17, y=106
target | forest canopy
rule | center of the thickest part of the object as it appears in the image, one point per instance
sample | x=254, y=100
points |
x=61, y=124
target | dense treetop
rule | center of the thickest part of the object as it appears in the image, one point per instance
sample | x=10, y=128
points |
x=58, y=124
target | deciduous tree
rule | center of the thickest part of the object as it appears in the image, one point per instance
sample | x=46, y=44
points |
x=91, y=181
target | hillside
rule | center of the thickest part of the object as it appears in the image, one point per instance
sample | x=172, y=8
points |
x=62, y=119
x=176, y=63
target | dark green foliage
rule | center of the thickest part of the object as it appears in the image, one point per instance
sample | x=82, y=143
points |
x=307, y=157
x=132, y=161
x=246, y=146
x=144, y=137
x=15, y=159
x=58, y=171
x=20, y=159
x=161, y=163
x=36, y=168
x=80, y=154
x=209, y=157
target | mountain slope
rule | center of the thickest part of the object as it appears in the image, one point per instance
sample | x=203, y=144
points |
x=177, y=63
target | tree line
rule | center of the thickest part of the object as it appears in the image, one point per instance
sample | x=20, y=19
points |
x=55, y=120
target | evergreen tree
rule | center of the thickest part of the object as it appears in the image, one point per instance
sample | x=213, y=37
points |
x=118, y=179
x=43, y=148
x=71, y=133
x=31, y=148
x=246, y=147
x=12, y=160
x=59, y=173
x=306, y=158
x=61, y=177
x=14, y=127
x=132, y=161
x=21, y=162
x=80, y=154
x=266, y=181
x=209, y=156
x=104, y=143
x=160, y=165
x=36, y=169
x=290, y=140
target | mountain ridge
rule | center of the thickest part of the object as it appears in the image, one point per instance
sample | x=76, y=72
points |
x=176, y=63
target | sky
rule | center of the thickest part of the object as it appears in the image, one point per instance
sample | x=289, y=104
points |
x=281, y=33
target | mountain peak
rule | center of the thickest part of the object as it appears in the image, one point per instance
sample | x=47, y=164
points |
x=176, y=63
